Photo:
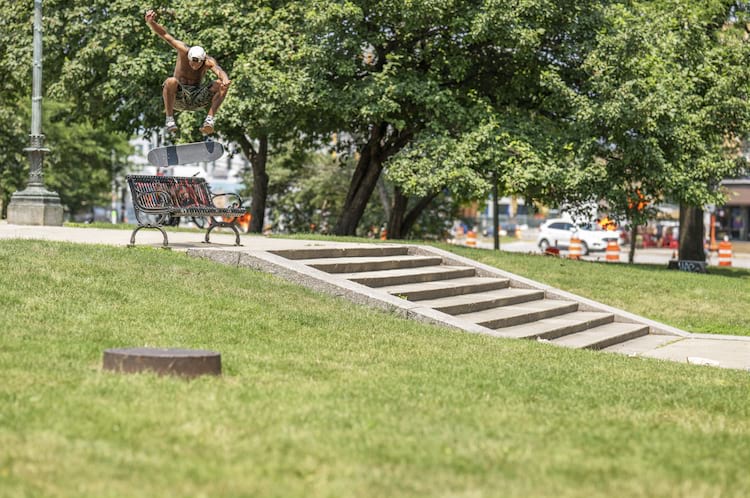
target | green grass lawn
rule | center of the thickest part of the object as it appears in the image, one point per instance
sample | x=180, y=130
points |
x=321, y=397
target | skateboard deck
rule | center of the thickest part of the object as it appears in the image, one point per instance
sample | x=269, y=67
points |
x=173, y=155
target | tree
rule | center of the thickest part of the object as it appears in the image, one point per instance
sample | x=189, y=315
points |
x=83, y=158
x=667, y=85
x=384, y=75
x=15, y=97
x=79, y=165
x=414, y=74
x=115, y=67
x=309, y=189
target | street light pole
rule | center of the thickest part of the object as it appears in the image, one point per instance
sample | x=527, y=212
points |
x=495, y=212
x=113, y=213
x=36, y=205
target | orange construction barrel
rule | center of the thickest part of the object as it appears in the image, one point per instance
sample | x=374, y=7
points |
x=613, y=252
x=725, y=252
x=575, y=250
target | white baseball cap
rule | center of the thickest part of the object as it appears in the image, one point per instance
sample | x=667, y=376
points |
x=196, y=53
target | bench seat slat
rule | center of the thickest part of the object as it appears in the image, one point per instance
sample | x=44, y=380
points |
x=206, y=211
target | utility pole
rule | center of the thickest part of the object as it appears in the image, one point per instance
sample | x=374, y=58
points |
x=35, y=205
x=113, y=212
x=495, y=212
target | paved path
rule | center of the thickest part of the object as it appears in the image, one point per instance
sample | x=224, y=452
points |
x=702, y=349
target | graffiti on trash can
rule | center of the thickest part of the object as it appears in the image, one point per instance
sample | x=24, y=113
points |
x=691, y=266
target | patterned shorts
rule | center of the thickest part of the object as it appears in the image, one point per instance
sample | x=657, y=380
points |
x=193, y=97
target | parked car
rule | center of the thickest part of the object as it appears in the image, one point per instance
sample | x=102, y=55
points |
x=556, y=232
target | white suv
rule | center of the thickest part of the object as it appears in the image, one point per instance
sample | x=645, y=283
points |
x=557, y=232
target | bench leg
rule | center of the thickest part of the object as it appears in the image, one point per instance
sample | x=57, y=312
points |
x=132, y=236
x=233, y=226
x=236, y=234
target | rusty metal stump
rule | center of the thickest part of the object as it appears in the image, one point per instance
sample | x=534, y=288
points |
x=183, y=362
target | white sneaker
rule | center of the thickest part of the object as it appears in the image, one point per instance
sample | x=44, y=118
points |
x=208, y=126
x=170, y=124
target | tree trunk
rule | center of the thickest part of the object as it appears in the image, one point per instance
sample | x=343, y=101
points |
x=258, y=160
x=363, y=182
x=383, y=142
x=633, y=240
x=398, y=213
x=691, y=233
x=401, y=220
x=413, y=215
x=385, y=198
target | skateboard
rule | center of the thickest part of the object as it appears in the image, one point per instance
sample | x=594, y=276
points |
x=173, y=155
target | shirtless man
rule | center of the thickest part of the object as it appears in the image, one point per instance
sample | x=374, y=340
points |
x=184, y=90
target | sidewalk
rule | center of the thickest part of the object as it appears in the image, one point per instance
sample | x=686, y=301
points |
x=178, y=241
x=702, y=349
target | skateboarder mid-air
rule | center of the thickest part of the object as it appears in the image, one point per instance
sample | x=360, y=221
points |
x=185, y=90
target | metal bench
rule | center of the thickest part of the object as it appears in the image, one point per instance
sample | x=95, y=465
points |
x=160, y=201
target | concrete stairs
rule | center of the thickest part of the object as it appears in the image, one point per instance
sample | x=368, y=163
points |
x=480, y=297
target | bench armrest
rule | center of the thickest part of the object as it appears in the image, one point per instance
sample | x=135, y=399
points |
x=237, y=203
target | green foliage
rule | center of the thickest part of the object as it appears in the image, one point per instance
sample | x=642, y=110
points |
x=444, y=79
x=665, y=99
x=306, y=192
x=564, y=101
x=524, y=151
x=15, y=55
x=83, y=158
x=309, y=190
x=79, y=165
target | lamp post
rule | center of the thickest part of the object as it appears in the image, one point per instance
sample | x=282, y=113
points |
x=35, y=205
x=495, y=213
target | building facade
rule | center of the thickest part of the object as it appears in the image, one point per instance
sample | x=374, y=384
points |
x=734, y=216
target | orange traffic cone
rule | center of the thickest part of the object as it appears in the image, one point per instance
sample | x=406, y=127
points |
x=725, y=252
x=575, y=250
x=613, y=252
x=471, y=238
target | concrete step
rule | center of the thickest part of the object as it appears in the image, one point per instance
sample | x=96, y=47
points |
x=478, y=301
x=642, y=344
x=412, y=275
x=369, y=263
x=516, y=314
x=342, y=252
x=602, y=336
x=444, y=288
x=551, y=328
